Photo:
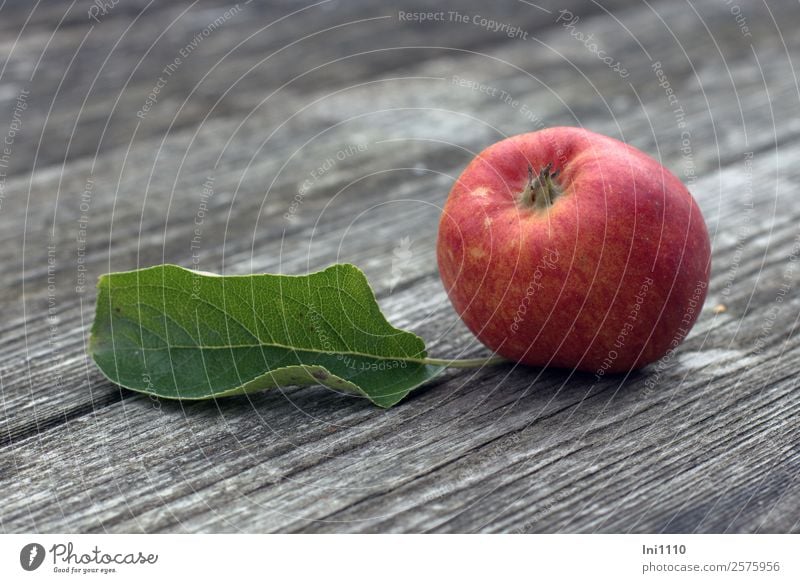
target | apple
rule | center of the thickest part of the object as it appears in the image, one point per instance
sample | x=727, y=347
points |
x=567, y=248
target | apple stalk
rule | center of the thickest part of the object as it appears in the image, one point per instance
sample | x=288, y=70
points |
x=542, y=190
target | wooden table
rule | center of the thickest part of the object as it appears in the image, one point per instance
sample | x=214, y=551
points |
x=119, y=119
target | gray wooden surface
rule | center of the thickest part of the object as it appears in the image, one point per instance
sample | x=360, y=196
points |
x=705, y=441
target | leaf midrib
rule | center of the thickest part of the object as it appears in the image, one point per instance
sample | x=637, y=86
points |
x=284, y=347
x=168, y=346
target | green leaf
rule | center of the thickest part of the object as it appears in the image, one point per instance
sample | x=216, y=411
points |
x=182, y=334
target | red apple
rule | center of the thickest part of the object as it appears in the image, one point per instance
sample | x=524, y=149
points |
x=567, y=248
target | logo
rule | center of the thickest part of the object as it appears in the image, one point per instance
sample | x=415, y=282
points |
x=31, y=556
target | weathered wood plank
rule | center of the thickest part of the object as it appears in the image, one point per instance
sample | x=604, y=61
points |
x=471, y=426
x=282, y=44
x=359, y=245
x=704, y=442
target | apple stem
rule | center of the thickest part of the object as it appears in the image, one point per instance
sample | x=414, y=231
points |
x=541, y=190
x=466, y=362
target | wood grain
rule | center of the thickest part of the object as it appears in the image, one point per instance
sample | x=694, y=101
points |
x=704, y=441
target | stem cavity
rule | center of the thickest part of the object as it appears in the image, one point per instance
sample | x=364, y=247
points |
x=541, y=190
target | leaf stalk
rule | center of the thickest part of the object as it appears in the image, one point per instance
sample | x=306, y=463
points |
x=466, y=362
